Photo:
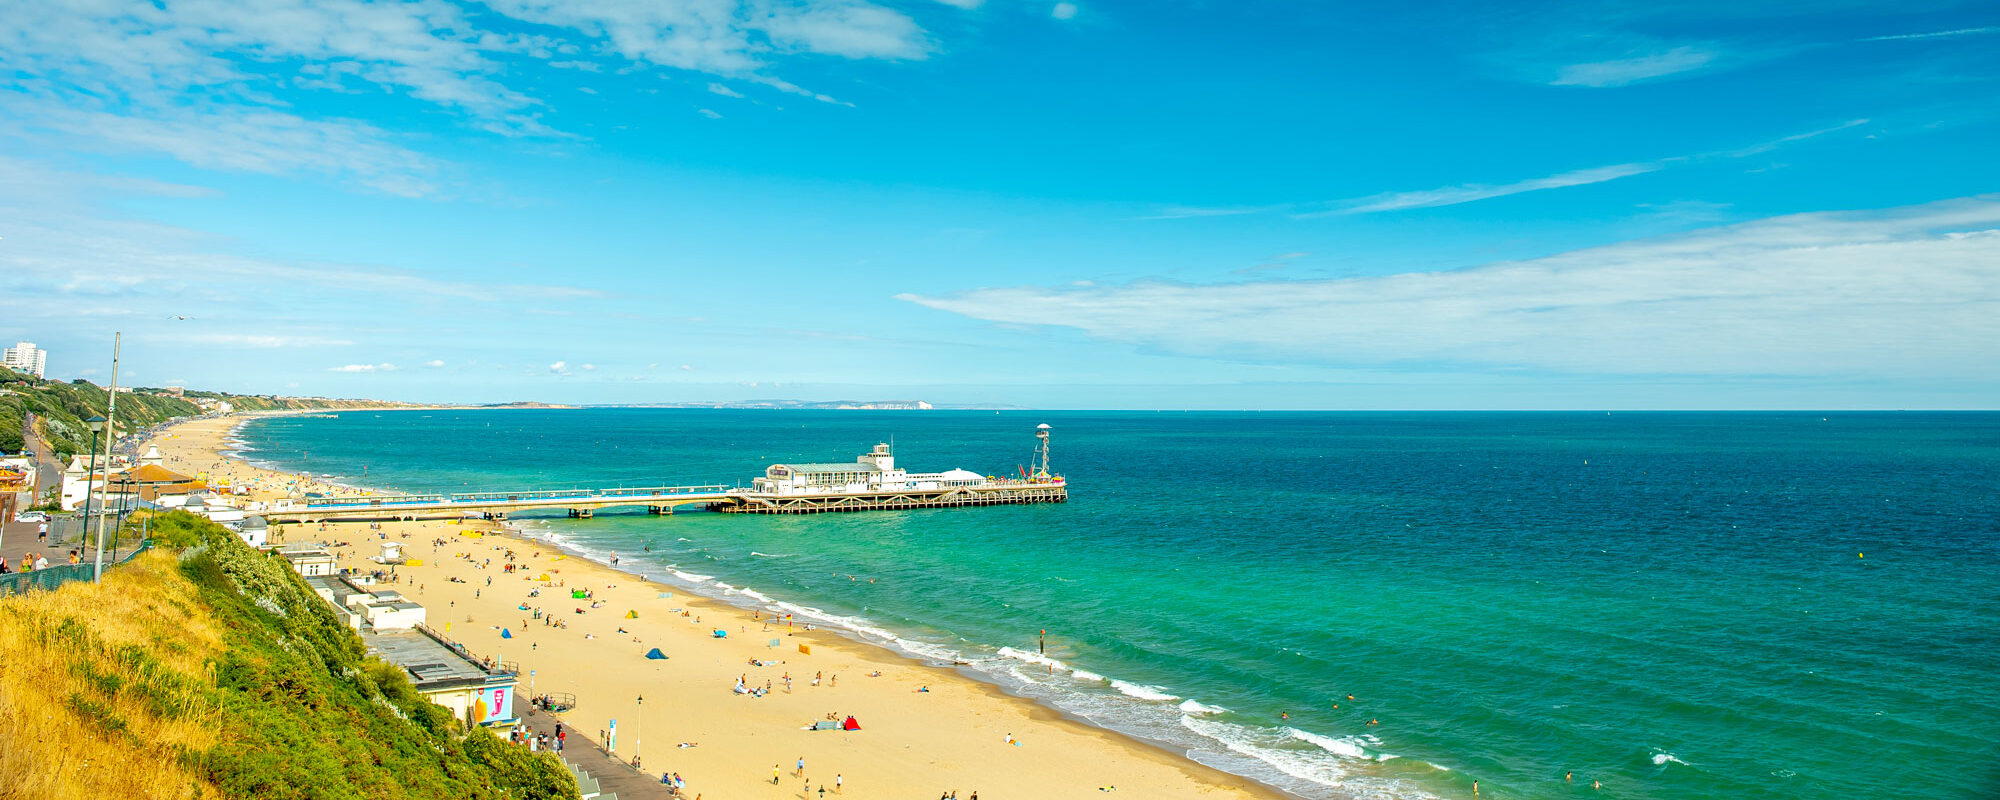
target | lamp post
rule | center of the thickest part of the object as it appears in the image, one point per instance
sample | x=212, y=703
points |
x=637, y=741
x=110, y=436
x=89, y=494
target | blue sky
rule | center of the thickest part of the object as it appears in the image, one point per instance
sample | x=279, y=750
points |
x=1076, y=204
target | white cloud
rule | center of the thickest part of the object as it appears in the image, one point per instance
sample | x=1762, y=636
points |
x=1934, y=35
x=1619, y=72
x=1472, y=192
x=157, y=54
x=709, y=113
x=716, y=88
x=243, y=139
x=259, y=340
x=965, y=4
x=686, y=368
x=1886, y=294
x=1063, y=11
x=560, y=368
x=364, y=368
x=724, y=37
x=1453, y=195
x=590, y=368
x=434, y=363
x=654, y=365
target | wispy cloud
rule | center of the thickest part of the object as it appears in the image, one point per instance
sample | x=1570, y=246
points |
x=1933, y=35
x=1467, y=193
x=1902, y=292
x=434, y=363
x=261, y=340
x=1063, y=11
x=716, y=88
x=1192, y=212
x=363, y=368
x=1472, y=192
x=709, y=113
x=1623, y=71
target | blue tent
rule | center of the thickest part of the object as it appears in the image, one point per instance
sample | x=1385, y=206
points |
x=506, y=634
x=656, y=655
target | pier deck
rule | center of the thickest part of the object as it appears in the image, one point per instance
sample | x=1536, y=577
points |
x=661, y=500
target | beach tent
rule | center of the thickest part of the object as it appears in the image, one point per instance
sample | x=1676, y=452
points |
x=631, y=615
x=506, y=634
x=656, y=655
x=721, y=634
x=544, y=576
x=578, y=594
x=850, y=725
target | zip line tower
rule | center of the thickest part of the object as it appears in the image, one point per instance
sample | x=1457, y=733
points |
x=1041, y=460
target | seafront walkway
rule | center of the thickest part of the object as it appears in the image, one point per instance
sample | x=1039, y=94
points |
x=611, y=773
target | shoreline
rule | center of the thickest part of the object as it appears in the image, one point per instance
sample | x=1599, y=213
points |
x=1090, y=758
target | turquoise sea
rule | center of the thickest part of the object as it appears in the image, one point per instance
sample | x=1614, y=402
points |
x=1679, y=605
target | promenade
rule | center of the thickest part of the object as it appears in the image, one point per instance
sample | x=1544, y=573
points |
x=611, y=774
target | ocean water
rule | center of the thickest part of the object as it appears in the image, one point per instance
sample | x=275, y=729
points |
x=1679, y=605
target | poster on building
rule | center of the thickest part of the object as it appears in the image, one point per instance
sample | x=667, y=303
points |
x=491, y=705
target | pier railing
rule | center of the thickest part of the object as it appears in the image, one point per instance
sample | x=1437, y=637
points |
x=493, y=498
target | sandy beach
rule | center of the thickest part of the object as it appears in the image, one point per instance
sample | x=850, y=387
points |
x=925, y=730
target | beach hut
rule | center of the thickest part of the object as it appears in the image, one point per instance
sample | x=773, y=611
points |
x=656, y=655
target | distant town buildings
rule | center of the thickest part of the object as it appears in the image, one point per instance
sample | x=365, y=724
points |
x=25, y=357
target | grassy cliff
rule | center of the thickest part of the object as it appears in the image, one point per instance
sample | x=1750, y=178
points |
x=61, y=409
x=205, y=669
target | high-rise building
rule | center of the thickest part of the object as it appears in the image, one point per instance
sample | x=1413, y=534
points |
x=25, y=357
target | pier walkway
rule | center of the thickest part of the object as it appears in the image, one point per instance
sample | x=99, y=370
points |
x=663, y=500
x=496, y=504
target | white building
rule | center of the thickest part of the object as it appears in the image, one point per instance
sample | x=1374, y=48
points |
x=311, y=563
x=25, y=357
x=78, y=481
x=873, y=471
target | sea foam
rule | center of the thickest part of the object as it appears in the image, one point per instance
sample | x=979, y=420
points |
x=1144, y=692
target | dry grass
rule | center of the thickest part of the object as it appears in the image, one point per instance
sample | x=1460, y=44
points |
x=100, y=687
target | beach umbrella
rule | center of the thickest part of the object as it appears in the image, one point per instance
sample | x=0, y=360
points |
x=656, y=655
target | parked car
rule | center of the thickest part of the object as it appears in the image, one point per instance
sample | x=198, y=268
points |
x=31, y=516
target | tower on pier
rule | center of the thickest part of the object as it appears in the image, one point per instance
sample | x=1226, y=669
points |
x=1041, y=460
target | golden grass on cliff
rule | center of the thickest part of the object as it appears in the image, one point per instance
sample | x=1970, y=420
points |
x=99, y=687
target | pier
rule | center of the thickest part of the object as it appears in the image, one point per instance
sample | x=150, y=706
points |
x=662, y=500
x=871, y=482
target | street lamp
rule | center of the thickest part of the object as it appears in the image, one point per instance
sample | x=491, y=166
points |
x=96, y=427
x=637, y=741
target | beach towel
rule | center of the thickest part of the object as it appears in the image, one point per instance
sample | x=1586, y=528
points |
x=656, y=655
x=825, y=725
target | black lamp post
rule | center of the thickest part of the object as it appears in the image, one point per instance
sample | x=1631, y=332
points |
x=96, y=427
